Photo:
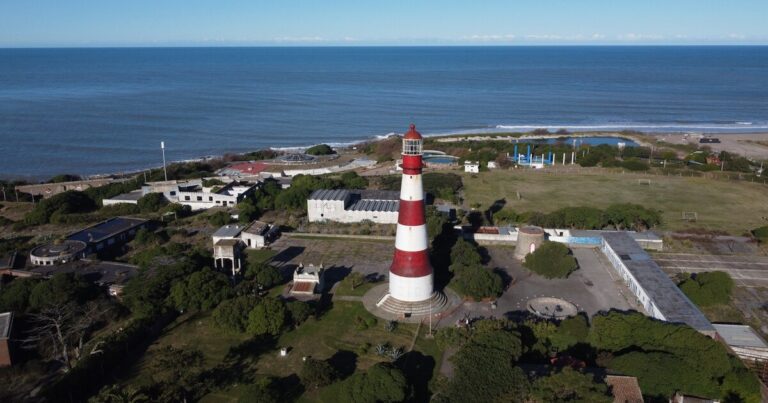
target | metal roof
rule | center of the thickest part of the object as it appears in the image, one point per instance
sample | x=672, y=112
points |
x=329, y=194
x=740, y=336
x=6, y=322
x=666, y=296
x=374, y=205
x=256, y=227
x=228, y=231
x=130, y=196
x=106, y=229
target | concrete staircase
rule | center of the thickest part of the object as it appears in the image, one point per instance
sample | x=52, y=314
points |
x=420, y=308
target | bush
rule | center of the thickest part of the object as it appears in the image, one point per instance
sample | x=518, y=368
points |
x=551, y=260
x=69, y=202
x=707, y=289
x=761, y=233
x=219, y=219
x=320, y=149
x=635, y=165
x=152, y=202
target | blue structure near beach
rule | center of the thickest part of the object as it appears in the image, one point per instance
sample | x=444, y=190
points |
x=528, y=159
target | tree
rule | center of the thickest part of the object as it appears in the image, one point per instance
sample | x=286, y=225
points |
x=119, y=394
x=152, y=202
x=464, y=253
x=201, y=290
x=485, y=369
x=582, y=217
x=262, y=391
x=569, y=385
x=551, y=260
x=320, y=149
x=60, y=330
x=263, y=274
x=708, y=288
x=267, y=317
x=50, y=209
x=62, y=289
x=477, y=282
x=299, y=312
x=232, y=314
x=381, y=383
x=317, y=373
x=247, y=211
x=14, y=296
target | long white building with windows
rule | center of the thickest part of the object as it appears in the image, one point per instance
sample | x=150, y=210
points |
x=353, y=206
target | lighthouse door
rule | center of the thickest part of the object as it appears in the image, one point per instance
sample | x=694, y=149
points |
x=533, y=247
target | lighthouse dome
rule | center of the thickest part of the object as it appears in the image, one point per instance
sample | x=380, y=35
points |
x=412, y=134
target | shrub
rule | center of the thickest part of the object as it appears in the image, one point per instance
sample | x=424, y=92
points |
x=219, y=218
x=635, y=165
x=551, y=260
x=477, y=282
x=317, y=373
x=707, y=289
x=69, y=202
x=152, y=202
x=761, y=233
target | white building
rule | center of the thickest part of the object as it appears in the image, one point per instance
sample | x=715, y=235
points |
x=200, y=198
x=472, y=166
x=192, y=193
x=255, y=235
x=492, y=165
x=353, y=206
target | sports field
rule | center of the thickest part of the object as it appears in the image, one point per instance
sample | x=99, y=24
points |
x=720, y=205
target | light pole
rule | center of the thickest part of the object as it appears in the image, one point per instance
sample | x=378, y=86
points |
x=165, y=172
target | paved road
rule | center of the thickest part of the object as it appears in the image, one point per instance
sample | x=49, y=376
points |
x=746, y=271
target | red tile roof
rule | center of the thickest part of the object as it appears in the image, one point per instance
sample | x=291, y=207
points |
x=625, y=389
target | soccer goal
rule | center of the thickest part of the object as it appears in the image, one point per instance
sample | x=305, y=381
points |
x=644, y=182
x=690, y=216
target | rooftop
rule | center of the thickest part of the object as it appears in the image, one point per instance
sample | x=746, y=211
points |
x=666, y=296
x=624, y=389
x=374, y=205
x=130, y=196
x=329, y=194
x=256, y=227
x=6, y=323
x=228, y=231
x=106, y=229
x=67, y=247
x=740, y=336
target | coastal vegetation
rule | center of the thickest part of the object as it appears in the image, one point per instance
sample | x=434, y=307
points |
x=617, y=216
x=320, y=149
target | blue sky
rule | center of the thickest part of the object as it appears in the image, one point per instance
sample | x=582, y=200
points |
x=383, y=22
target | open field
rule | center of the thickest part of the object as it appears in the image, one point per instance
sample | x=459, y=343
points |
x=734, y=207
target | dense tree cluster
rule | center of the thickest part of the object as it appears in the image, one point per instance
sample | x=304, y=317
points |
x=551, y=260
x=569, y=385
x=667, y=357
x=618, y=216
x=380, y=383
x=201, y=290
x=709, y=288
x=470, y=278
x=51, y=209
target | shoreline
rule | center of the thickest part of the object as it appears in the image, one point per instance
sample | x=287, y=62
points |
x=750, y=144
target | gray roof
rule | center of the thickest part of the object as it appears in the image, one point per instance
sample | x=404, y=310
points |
x=329, y=194
x=228, y=231
x=666, y=296
x=6, y=322
x=378, y=194
x=130, y=196
x=106, y=229
x=740, y=336
x=374, y=205
x=256, y=227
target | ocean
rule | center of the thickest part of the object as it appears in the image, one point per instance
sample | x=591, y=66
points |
x=92, y=111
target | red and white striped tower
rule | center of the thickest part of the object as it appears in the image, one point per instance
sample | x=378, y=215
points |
x=410, y=276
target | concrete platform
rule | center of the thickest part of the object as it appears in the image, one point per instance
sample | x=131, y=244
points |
x=378, y=302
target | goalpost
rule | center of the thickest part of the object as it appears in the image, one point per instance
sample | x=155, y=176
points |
x=690, y=216
x=644, y=182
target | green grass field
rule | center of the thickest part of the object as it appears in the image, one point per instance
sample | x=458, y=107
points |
x=731, y=206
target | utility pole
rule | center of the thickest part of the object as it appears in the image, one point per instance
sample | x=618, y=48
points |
x=165, y=172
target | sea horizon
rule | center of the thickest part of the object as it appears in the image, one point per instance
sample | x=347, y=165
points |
x=96, y=110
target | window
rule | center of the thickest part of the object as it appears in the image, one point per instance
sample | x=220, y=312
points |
x=186, y=197
x=173, y=193
x=199, y=198
x=411, y=147
x=210, y=198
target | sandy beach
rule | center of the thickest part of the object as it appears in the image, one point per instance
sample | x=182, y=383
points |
x=749, y=145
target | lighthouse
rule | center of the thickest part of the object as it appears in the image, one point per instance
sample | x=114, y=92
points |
x=410, y=276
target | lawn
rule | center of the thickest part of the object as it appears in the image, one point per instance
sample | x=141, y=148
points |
x=730, y=206
x=345, y=288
